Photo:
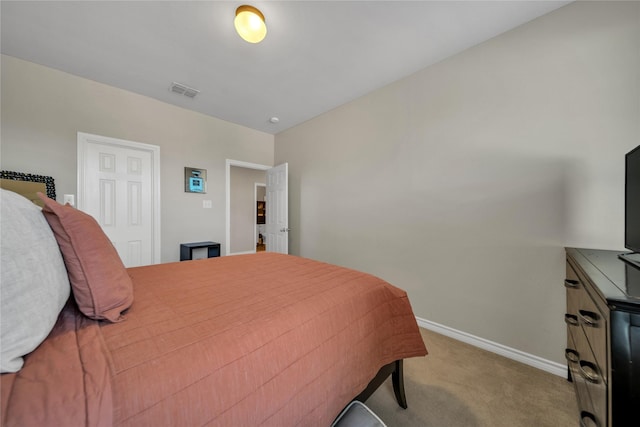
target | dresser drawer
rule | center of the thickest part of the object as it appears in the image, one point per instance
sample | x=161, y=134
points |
x=575, y=289
x=594, y=325
x=589, y=414
x=591, y=373
x=582, y=309
x=591, y=390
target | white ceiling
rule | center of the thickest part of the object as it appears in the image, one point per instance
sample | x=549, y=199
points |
x=317, y=54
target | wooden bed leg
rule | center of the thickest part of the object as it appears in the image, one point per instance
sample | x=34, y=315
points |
x=397, y=377
x=395, y=370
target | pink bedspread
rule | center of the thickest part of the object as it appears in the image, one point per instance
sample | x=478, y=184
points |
x=249, y=340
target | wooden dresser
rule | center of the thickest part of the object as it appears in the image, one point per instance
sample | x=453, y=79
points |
x=603, y=336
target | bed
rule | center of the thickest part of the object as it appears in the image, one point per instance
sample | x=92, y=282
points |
x=250, y=340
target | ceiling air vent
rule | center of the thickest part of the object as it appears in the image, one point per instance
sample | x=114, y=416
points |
x=183, y=90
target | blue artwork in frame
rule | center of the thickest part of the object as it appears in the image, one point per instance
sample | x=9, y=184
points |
x=195, y=180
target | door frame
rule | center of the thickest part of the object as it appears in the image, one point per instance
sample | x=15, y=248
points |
x=83, y=141
x=237, y=163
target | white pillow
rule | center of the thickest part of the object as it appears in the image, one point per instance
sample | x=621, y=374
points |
x=34, y=285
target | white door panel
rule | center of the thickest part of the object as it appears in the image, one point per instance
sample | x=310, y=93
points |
x=277, y=222
x=117, y=187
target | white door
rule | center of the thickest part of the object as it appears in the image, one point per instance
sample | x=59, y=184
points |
x=277, y=222
x=118, y=184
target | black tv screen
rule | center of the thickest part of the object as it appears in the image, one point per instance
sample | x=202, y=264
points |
x=632, y=200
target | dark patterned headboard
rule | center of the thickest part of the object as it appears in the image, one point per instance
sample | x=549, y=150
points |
x=46, y=180
x=28, y=185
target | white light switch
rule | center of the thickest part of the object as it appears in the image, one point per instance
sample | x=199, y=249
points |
x=69, y=198
x=206, y=204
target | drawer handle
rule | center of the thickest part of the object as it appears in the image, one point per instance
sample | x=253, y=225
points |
x=570, y=283
x=589, y=372
x=588, y=318
x=571, y=319
x=587, y=419
x=571, y=355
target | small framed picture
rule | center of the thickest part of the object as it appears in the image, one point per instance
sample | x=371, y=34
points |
x=195, y=180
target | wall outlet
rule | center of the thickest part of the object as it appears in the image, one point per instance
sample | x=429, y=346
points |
x=69, y=198
x=207, y=204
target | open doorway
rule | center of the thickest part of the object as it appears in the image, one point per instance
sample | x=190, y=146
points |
x=261, y=217
x=277, y=210
x=242, y=183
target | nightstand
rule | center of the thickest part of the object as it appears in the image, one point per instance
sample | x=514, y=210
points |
x=186, y=249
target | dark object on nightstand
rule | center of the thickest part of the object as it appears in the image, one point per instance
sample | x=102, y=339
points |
x=186, y=249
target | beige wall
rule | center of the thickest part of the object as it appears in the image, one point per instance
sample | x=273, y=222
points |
x=243, y=208
x=43, y=109
x=463, y=183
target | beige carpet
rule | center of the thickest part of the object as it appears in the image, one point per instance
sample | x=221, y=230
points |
x=458, y=385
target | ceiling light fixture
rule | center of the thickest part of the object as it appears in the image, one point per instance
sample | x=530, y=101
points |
x=250, y=24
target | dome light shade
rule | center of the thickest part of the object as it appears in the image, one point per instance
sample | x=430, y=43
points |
x=250, y=24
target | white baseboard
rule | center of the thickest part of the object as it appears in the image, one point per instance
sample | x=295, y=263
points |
x=508, y=352
x=243, y=253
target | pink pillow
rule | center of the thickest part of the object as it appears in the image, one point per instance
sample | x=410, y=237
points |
x=101, y=286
